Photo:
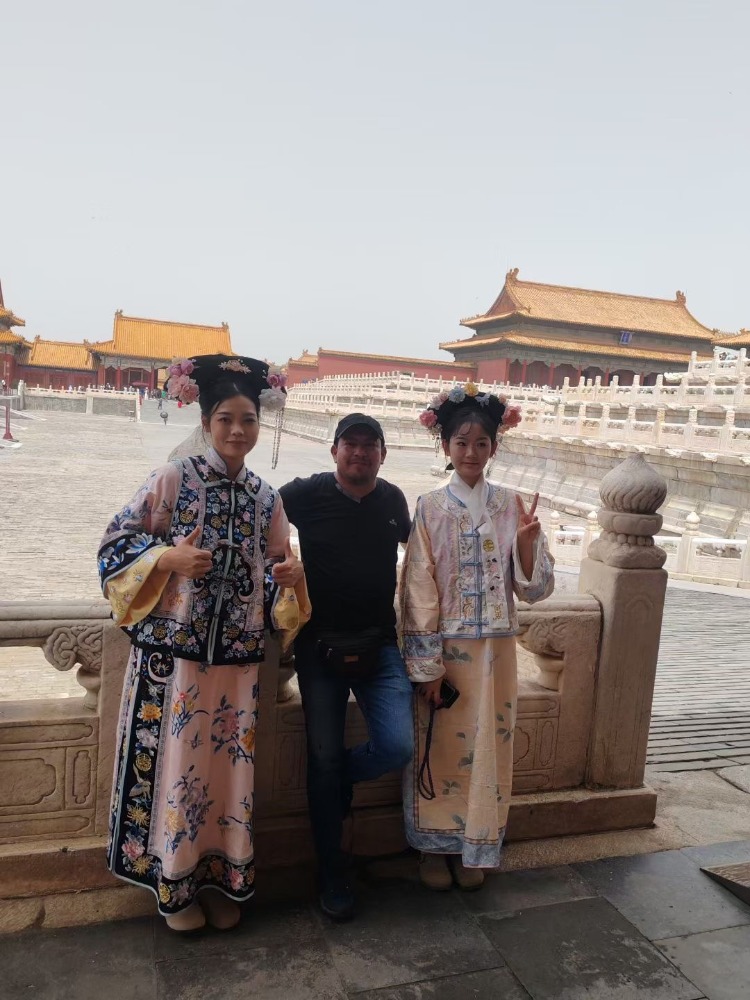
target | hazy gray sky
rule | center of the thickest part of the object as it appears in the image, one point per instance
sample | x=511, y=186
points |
x=360, y=175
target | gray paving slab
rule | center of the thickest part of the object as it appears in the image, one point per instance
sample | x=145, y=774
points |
x=585, y=950
x=494, y=984
x=718, y=962
x=301, y=972
x=404, y=934
x=739, y=776
x=664, y=895
x=512, y=892
x=265, y=927
x=704, y=764
x=731, y=853
x=109, y=961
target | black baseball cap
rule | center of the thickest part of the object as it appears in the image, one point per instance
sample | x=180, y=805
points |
x=358, y=420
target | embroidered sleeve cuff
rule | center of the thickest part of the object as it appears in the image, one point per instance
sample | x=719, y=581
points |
x=134, y=593
x=424, y=657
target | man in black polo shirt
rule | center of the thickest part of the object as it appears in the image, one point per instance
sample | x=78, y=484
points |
x=349, y=524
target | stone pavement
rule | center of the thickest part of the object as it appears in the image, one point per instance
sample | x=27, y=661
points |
x=643, y=928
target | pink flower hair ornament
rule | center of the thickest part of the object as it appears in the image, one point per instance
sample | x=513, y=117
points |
x=179, y=384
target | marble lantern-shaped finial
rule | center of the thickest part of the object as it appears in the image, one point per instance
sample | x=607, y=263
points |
x=631, y=496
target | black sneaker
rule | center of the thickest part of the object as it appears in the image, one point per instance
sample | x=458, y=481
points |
x=337, y=898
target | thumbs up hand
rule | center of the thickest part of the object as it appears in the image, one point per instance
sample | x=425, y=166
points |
x=290, y=571
x=186, y=558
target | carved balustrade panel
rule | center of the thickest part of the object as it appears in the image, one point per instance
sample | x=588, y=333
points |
x=50, y=749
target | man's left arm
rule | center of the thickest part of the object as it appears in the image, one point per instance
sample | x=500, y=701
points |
x=403, y=518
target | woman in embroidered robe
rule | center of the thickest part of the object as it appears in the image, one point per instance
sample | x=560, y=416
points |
x=472, y=547
x=183, y=567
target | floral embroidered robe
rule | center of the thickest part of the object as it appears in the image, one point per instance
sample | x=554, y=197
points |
x=182, y=798
x=458, y=618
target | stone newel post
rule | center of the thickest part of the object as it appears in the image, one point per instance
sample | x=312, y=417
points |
x=624, y=573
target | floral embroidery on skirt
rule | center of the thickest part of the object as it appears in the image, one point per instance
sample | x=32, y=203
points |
x=183, y=792
x=471, y=757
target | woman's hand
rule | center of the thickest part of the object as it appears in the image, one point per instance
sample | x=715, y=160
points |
x=290, y=571
x=429, y=691
x=527, y=533
x=186, y=559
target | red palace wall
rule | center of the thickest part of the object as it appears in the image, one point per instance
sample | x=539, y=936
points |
x=54, y=378
x=297, y=374
x=494, y=370
x=8, y=369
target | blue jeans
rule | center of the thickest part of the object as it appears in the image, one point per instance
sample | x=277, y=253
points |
x=385, y=700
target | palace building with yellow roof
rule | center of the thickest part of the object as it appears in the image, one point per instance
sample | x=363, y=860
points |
x=538, y=334
x=532, y=334
x=136, y=356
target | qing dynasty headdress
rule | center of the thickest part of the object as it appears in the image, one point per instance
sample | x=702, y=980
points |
x=191, y=377
x=468, y=397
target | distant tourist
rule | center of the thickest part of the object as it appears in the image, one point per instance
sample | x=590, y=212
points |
x=350, y=524
x=183, y=566
x=472, y=546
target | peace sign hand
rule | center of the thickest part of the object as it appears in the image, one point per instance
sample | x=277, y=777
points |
x=528, y=523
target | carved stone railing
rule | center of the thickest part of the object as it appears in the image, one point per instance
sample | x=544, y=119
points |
x=69, y=634
x=706, y=383
x=691, y=556
x=57, y=754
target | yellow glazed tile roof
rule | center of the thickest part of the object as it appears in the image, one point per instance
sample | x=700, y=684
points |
x=60, y=354
x=585, y=307
x=735, y=342
x=577, y=347
x=304, y=359
x=162, y=340
x=8, y=337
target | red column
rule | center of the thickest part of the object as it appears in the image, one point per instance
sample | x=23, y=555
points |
x=101, y=376
x=551, y=376
x=580, y=373
x=118, y=379
x=524, y=365
x=605, y=380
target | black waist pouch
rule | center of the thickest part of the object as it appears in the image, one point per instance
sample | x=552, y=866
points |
x=354, y=656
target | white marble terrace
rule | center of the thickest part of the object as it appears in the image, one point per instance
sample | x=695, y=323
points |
x=706, y=409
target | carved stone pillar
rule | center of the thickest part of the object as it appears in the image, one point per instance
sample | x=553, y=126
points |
x=624, y=573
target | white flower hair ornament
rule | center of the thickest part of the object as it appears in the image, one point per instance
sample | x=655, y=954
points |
x=274, y=397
